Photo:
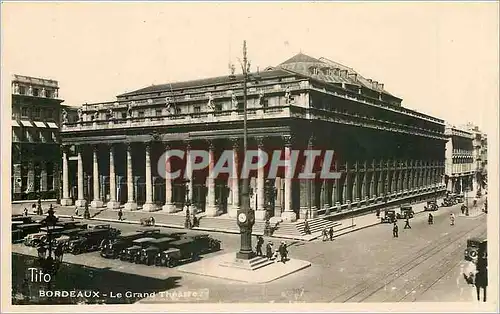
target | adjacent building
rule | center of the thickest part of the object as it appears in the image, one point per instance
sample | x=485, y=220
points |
x=460, y=166
x=480, y=155
x=386, y=152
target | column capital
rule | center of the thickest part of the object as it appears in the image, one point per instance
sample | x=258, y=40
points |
x=287, y=140
x=187, y=144
x=155, y=136
x=211, y=144
x=235, y=142
x=167, y=145
x=260, y=141
x=311, y=141
x=94, y=148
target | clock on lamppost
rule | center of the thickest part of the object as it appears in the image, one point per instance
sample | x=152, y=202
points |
x=245, y=220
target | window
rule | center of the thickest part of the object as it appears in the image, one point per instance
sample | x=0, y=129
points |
x=124, y=115
x=22, y=90
x=218, y=107
x=49, y=113
x=48, y=94
x=178, y=110
x=158, y=112
x=36, y=112
x=141, y=114
x=36, y=92
x=15, y=137
x=197, y=109
x=25, y=112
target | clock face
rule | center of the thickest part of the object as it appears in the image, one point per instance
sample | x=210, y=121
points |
x=242, y=217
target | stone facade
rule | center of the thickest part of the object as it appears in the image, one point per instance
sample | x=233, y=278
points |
x=460, y=167
x=384, y=151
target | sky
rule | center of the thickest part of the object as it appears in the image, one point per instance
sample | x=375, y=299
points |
x=441, y=58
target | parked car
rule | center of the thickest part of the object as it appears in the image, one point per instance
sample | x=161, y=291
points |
x=474, y=247
x=90, y=240
x=112, y=248
x=431, y=206
x=130, y=253
x=179, y=251
x=389, y=216
x=406, y=211
x=204, y=243
x=148, y=254
x=35, y=239
x=67, y=235
x=29, y=228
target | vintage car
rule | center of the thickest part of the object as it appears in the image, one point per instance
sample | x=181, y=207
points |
x=67, y=224
x=113, y=247
x=98, y=226
x=17, y=236
x=129, y=254
x=179, y=251
x=67, y=235
x=389, y=216
x=29, y=228
x=22, y=219
x=148, y=255
x=431, y=206
x=204, y=243
x=90, y=240
x=406, y=211
x=35, y=239
x=475, y=247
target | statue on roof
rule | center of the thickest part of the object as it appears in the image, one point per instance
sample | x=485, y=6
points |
x=288, y=96
x=169, y=105
x=96, y=115
x=43, y=92
x=80, y=114
x=110, y=114
x=129, y=110
x=210, y=103
x=30, y=91
x=234, y=101
x=261, y=98
x=56, y=93
x=16, y=88
x=64, y=116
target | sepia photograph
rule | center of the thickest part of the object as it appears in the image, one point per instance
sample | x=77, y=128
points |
x=300, y=156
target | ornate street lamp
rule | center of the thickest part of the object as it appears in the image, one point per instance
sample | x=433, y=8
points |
x=187, y=203
x=50, y=258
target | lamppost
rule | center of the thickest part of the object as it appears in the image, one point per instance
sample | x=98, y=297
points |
x=187, y=203
x=246, y=216
x=50, y=259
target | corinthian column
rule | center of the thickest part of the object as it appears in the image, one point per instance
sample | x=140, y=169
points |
x=149, y=205
x=234, y=181
x=80, y=202
x=260, y=212
x=65, y=201
x=211, y=208
x=96, y=202
x=113, y=203
x=288, y=214
x=131, y=204
x=169, y=207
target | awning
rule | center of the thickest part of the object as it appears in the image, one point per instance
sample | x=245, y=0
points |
x=40, y=124
x=14, y=123
x=26, y=123
x=52, y=125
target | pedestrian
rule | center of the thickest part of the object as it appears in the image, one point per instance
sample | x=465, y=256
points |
x=395, y=230
x=258, y=248
x=325, y=234
x=120, y=215
x=152, y=220
x=267, y=228
x=25, y=211
x=452, y=219
x=283, y=252
x=407, y=223
x=269, y=250
x=331, y=233
x=463, y=209
x=76, y=211
x=378, y=212
x=431, y=219
x=481, y=276
x=187, y=222
x=306, y=227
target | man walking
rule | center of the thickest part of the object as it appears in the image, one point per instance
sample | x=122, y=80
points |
x=431, y=219
x=331, y=233
x=25, y=211
x=395, y=230
x=325, y=234
x=306, y=227
x=120, y=214
x=269, y=250
x=452, y=219
x=407, y=223
x=258, y=247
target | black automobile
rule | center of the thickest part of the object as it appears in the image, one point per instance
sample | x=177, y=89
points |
x=406, y=211
x=29, y=228
x=90, y=240
x=113, y=247
x=475, y=246
x=431, y=206
x=203, y=243
x=389, y=216
x=129, y=254
x=179, y=251
x=148, y=254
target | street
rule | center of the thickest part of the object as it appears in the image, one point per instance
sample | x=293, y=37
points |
x=422, y=264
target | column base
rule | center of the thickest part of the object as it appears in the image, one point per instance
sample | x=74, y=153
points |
x=130, y=206
x=96, y=204
x=211, y=210
x=149, y=207
x=66, y=202
x=169, y=208
x=80, y=203
x=289, y=216
x=260, y=215
x=233, y=211
x=113, y=205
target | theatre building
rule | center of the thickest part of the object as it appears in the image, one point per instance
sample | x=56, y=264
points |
x=385, y=152
x=460, y=169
